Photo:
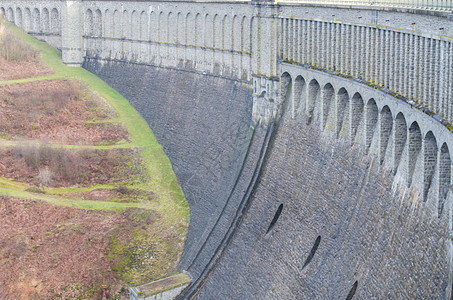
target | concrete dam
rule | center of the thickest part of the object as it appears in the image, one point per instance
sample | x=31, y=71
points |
x=312, y=140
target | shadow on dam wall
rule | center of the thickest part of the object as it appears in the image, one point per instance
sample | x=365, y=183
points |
x=324, y=220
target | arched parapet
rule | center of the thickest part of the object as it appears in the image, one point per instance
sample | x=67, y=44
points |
x=37, y=18
x=410, y=143
x=203, y=37
x=10, y=14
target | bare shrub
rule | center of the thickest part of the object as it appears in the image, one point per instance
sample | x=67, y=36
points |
x=53, y=163
x=44, y=176
x=12, y=48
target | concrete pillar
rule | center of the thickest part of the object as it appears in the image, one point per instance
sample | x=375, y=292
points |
x=266, y=100
x=71, y=33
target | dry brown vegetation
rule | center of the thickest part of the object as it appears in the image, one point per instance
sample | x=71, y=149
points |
x=17, y=58
x=51, y=252
x=42, y=165
x=58, y=252
x=13, y=49
x=58, y=111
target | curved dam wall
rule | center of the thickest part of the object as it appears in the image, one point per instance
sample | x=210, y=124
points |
x=340, y=210
x=329, y=219
x=311, y=141
x=204, y=124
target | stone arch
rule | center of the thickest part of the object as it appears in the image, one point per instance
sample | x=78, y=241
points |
x=161, y=28
x=217, y=32
x=143, y=26
x=312, y=99
x=125, y=25
x=171, y=28
x=226, y=37
x=27, y=20
x=10, y=15
x=208, y=26
x=55, y=21
x=135, y=26
x=328, y=94
x=236, y=40
x=245, y=34
x=45, y=20
x=372, y=115
x=97, y=23
x=415, y=145
x=199, y=32
x=180, y=29
x=108, y=26
x=116, y=24
x=88, y=22
x=300, y=96
x=286, y=89
x=342, y=112
x=356, y=114
x=444, y=176
x=429, y=162
x=385, y=129
x=2, y=11
x=19, y=17
x=153, y=27
x=399, y=140
x=36, y=20
x=189, y=28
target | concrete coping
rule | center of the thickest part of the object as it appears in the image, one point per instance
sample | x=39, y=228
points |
x=418, y=11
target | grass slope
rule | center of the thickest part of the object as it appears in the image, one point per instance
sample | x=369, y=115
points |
x=170, y=205
x=162, y=179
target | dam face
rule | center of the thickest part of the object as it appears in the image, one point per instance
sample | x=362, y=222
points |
x=342, y=222
x=311, y=141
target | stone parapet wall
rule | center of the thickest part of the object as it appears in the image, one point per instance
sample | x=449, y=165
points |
x=40, y=18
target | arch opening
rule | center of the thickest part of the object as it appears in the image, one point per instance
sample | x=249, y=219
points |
x=342, y=112
x=415, y=145
x=356, y=114
x=328, y=93
x=97, y=23
x=45, y=20
x=27, y=19
x=286, y=89
x=19, y=22
x=36, y=21
x=54, y=21
x=386, y=124
x=10, y=15
x=429, y=162
x=312, y=99
x=89, y=22
x=372, y=114
x=399, y=140
x=300, y=95
x=444, y=176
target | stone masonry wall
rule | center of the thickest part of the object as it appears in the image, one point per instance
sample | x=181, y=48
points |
x=342, y=224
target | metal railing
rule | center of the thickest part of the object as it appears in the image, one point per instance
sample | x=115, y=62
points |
x=439, y=5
